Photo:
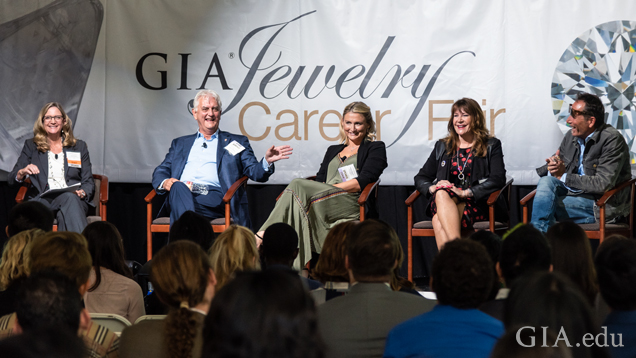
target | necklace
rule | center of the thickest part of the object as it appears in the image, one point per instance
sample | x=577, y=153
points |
x=461, y=176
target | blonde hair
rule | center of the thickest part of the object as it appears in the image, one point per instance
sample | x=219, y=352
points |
x=364, y=110
x=39, y=133
x=234, y=250
x=15, y=263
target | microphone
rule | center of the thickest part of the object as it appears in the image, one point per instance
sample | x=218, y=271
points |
x=204, y=145
x=56, y=156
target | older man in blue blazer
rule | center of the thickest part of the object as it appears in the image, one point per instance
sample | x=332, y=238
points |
x=211, y=160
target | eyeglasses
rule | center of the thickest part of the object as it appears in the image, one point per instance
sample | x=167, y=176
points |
x=50, y=118
x=574, y=113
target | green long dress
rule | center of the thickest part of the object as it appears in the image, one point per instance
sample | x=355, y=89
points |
x=313, y=208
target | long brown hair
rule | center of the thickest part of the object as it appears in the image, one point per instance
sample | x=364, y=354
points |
x=180, y=273
x=107, y=250
x=39, y=133
x=477, y=126
x=331, y=263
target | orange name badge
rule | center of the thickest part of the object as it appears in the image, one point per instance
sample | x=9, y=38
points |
x=74, y=159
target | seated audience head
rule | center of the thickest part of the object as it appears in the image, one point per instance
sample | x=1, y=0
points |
x=194, y=227
x=234, y=250
x=182, y=276
x=14, y=264
x=550, y=299
x=107, y=250
x=331, y=263
x=508, y=345
x=373, y=251
x=616, y=270
x=49, y=299
x=29, y=215
x=65, y=252
x=492, y=242
x=280, y=245
x=43, y=343
x=462, y=274
x=262, y=314
x=572, y=256
x=524, y=250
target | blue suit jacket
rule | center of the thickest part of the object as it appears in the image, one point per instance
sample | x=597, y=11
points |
x=229, y=168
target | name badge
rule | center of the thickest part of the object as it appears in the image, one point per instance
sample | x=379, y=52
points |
x=234, y=148
x=74, y=159
x=348, y=172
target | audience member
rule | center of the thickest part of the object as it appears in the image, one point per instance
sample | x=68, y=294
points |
x=462, y=279
x=234, y=250
x=193, y=227
x=533, y=345
x=14, y=267
x=524, y=250
x=67, y=253
x=572, y=256
x=43, y=343
x=279, y=249
x=262, y=314
x=492, y=242
x=111, y=288
x=330, y=269
x=49, y=299
x=29, y=215
x=356, y=325
x=550, y=299
x=183, y=279
x=616, y=269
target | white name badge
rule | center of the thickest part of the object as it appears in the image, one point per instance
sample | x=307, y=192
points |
x=234, y=148
x=348, y=172
x=74, y=159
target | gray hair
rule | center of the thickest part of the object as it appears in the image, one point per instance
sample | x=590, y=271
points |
x=208, y=93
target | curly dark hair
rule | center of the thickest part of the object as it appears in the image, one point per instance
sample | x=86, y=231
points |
x=462, y=274
x=616, y=270
x=262, y=314
x=524, y=249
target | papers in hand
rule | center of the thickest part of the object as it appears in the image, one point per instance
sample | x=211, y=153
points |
x=348, y=172
x=70, y=188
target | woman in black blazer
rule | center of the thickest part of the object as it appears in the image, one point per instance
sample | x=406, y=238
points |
x=55, y=160
x=462, y=171
x=314, y=207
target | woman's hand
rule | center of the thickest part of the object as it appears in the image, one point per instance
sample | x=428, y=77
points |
x=30, y=169
x=81, y=193
x=441, y=184
x=467, y=193
x=350, y=186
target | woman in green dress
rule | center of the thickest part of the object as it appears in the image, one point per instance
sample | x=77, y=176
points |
x=314, y=207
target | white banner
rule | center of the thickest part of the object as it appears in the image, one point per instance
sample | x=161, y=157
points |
x=286, y=69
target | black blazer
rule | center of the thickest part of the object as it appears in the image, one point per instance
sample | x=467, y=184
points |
x=488, y=173
x=371, y=162
x=31, y=155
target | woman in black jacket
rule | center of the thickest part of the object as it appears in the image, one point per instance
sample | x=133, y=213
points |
x=462, y=171
x=314, y=207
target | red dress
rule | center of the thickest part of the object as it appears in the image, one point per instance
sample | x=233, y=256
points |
x=462, y=163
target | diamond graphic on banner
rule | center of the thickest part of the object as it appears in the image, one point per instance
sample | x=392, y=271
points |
x=601, y=61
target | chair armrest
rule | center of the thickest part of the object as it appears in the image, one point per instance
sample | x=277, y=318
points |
x=411, y=199
x=527, y=198
x=19, y=198
x=103, y=187
x=492, y=199
x=608, y=194
x=150, y=196
x=230, y=192
x=367, y=190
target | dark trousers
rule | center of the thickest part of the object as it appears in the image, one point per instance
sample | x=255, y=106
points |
x=69, y=210
x=181, y=199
